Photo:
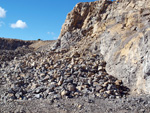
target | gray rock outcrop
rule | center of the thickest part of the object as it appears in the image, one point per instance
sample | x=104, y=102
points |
x=100, y=63
x=120, y=31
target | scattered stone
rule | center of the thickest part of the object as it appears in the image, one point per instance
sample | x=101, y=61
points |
x=76, y=55
x=64, y=93
x=118, y=82
x=71, y=87
x=37, y=96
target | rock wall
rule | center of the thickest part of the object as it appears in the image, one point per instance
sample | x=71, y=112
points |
x=125, y=45
x=118, y=30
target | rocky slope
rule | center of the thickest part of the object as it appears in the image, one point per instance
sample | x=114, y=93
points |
x=120, y=31
x=100, y=58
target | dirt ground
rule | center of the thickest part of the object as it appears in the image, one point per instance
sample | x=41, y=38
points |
x=131, y=104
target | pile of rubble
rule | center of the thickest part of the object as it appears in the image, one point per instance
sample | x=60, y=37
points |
x=51, y=75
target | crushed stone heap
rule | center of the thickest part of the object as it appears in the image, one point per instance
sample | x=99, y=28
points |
x=102, y=55
x=53, y=76
x=118, y=30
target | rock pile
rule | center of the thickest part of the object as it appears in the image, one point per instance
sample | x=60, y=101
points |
x=103, y=49
x=51, y=75
x=8, y=55
x=120, y=30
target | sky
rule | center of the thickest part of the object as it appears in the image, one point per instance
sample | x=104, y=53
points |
x=34, y=19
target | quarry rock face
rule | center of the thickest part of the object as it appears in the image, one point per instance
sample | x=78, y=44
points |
x=118, y=30
x=100, y=63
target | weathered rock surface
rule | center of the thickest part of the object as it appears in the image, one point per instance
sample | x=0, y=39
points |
x=120, y=31
x=100, y=61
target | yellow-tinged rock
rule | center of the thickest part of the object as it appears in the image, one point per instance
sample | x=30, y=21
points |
x=63, y=93
x=118, y=82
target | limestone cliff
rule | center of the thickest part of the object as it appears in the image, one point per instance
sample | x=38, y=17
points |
x=118, y=30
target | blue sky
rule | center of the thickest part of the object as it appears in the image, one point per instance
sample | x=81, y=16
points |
x=34, y=19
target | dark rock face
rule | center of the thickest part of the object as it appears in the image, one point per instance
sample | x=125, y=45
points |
x=12, y=44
